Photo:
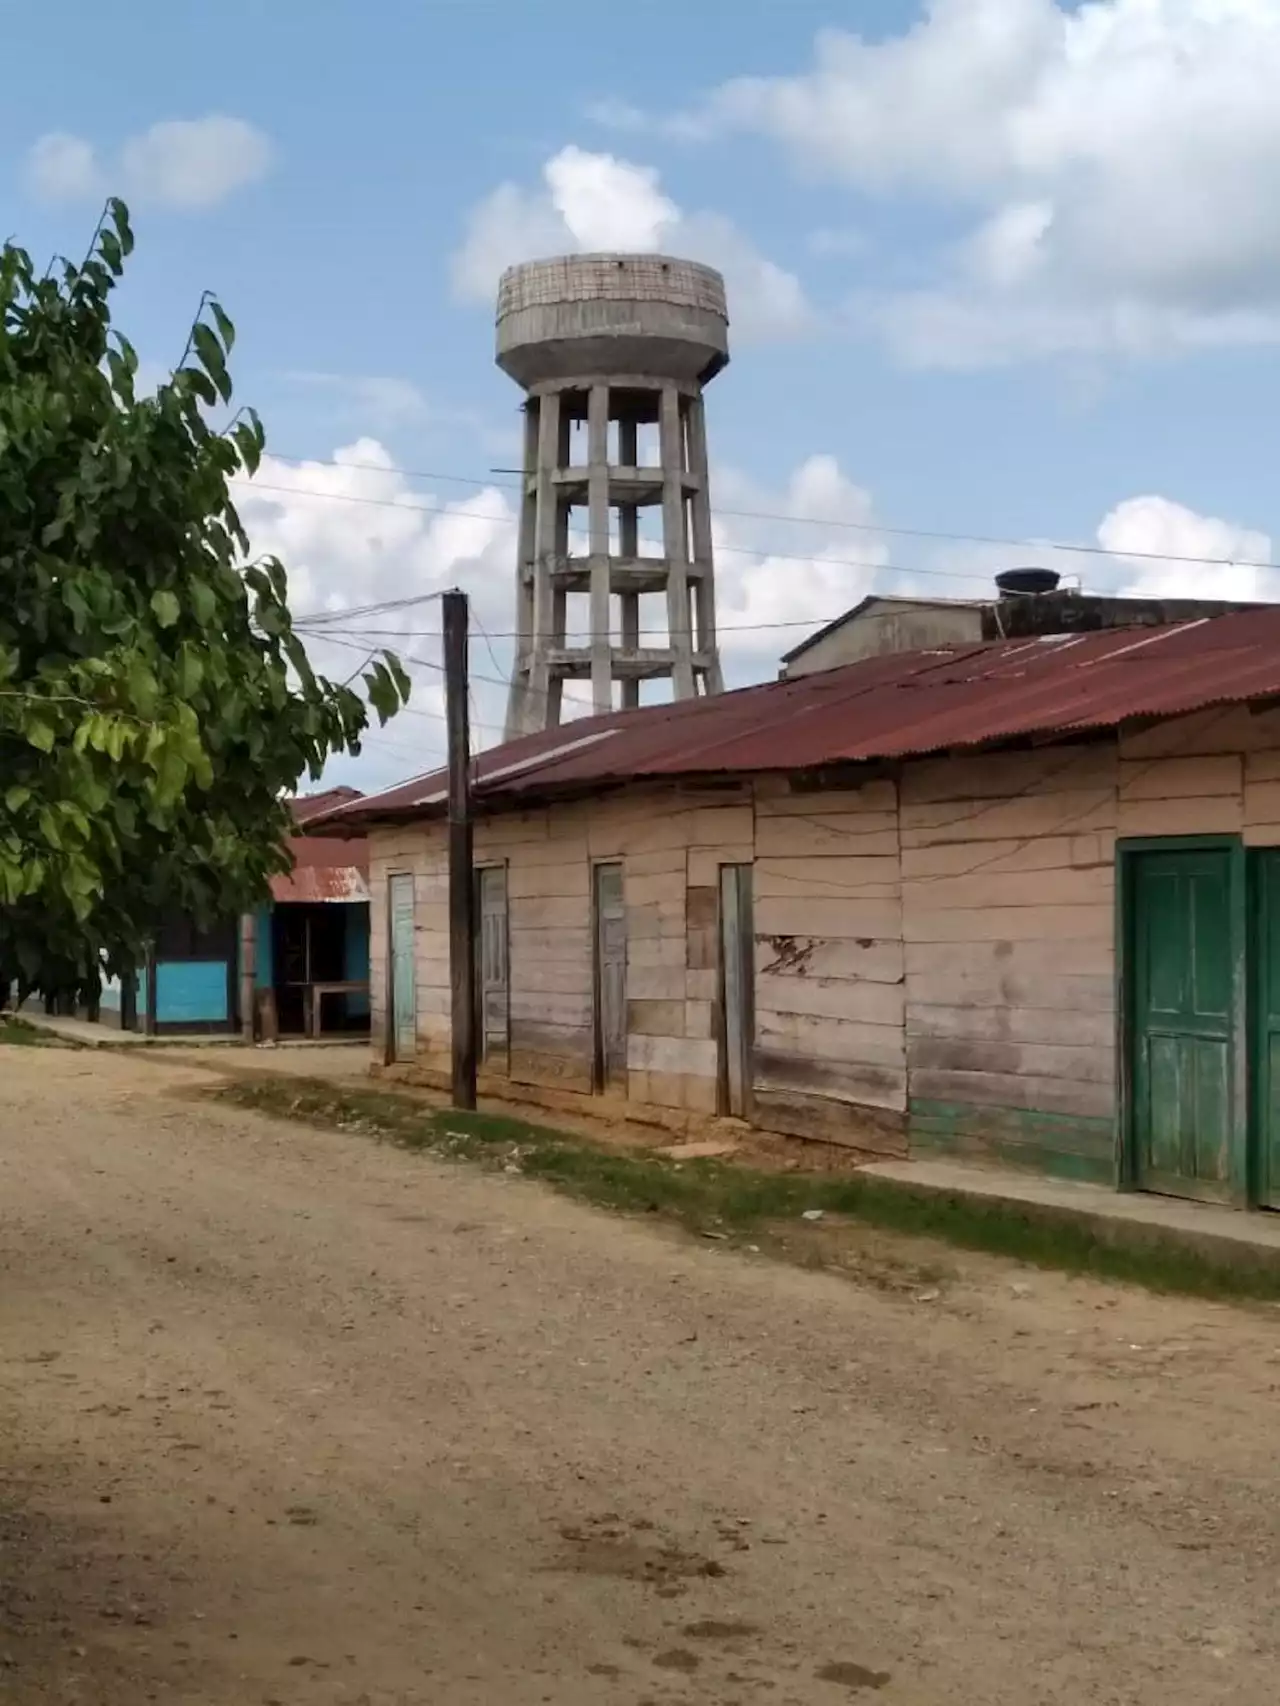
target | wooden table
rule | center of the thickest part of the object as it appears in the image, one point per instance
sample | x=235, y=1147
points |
x=312, y=998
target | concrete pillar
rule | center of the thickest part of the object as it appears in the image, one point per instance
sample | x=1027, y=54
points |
x=525, y=541
x=598, y=510
x=700, y=548
x=530, y=691
x=675, y=545
x=629, y=550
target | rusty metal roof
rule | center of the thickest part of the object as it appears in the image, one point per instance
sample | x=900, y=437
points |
x=325, y=868
x=895, y=706
x=306, y=806
x=320, y=885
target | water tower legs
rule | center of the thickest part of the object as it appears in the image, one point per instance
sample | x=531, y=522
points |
x=643, y=597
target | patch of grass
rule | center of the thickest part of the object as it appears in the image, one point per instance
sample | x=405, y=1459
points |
x=724, y=1200
x=17, y=1033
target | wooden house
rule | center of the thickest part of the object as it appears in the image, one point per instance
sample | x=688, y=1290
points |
x=1016, y=902
x=311, y=950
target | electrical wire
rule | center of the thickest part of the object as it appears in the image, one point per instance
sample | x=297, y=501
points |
x=937, y=534
x=720, y=550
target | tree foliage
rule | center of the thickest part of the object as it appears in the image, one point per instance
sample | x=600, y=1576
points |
x=156, y=706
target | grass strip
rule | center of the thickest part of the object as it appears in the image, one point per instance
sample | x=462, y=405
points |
x=723, y=1199
x=17, y=1033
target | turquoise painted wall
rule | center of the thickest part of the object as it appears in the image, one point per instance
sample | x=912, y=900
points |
x=357, y=944
x=266, y=948
x=191, y=992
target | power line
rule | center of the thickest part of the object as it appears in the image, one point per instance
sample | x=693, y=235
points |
x=938, y=534
x=720, y=550
x=320, y=616
x=582, y=633
x=427, y=663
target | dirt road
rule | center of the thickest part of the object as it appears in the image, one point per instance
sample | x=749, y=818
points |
x=289, y=1417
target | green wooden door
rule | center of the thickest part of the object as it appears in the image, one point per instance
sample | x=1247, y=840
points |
x=1265, y=1050
x=1183, y=1021
x=403, y=979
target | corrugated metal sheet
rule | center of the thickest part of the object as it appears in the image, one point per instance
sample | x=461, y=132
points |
x=879, y=708
x=312, y=852
x=319, y=884
x=307, y=806
x=325, y=868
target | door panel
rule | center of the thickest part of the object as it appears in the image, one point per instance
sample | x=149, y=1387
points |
x=1183, y=1031
x=492, y=977
x=737, y=977
x=610, y=978
x=403, y=1019
x=1265, y=942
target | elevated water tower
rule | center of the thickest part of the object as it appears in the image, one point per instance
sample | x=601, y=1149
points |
x=614, y=579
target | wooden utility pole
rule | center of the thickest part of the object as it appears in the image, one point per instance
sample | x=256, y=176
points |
x=248, y=973
x=462, y=948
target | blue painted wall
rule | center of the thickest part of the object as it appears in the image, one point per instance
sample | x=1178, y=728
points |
x=192, y=992
x=357, y=944
x=266, y=948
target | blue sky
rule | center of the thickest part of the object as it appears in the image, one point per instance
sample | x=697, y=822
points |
x=996, y=267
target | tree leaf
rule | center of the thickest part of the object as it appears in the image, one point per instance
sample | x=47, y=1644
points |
x=226, y=331
x=166, y=607
x=204, y=603
x=246, y=442
x=209, y=351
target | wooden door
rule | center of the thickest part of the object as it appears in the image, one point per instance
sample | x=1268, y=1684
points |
x=1183, y=1021
x=1264, y=940
x=610, y=978
x=493, y=1000
x=737, y=980
x=402, y=981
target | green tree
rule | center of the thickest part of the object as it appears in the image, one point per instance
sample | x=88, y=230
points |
x=156, y=707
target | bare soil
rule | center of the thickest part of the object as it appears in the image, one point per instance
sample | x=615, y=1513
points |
x=288, y=1416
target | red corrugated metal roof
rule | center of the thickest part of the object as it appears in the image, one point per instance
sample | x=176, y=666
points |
x=325, y=868
x=895, y=706
x=307, y=806
x=317, y=884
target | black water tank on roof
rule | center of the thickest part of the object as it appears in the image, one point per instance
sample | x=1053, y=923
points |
x=1018, y=582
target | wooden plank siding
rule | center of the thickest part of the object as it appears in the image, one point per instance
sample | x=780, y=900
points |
x=830, y=1050
x=933, y=955
x=1008, y=922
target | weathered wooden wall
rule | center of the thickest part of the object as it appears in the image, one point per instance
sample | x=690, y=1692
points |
x=933, y=955
x=1008, y=919
x=829, y=1057
x=420, y=850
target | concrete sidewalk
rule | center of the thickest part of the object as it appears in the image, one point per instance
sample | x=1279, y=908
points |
x=1233, y=1237
x=86, y=1034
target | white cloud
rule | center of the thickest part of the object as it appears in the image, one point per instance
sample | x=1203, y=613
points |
x=788, y=559
x=62, y=168
x=607, y=203
x=776, y=578
x=1150, y=534
x=1122, y=160
x=179, y=163
x=596, y=201
x=356, y=532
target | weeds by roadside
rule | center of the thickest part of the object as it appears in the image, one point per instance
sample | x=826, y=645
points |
x=723, y=1200
x=17, y=1033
